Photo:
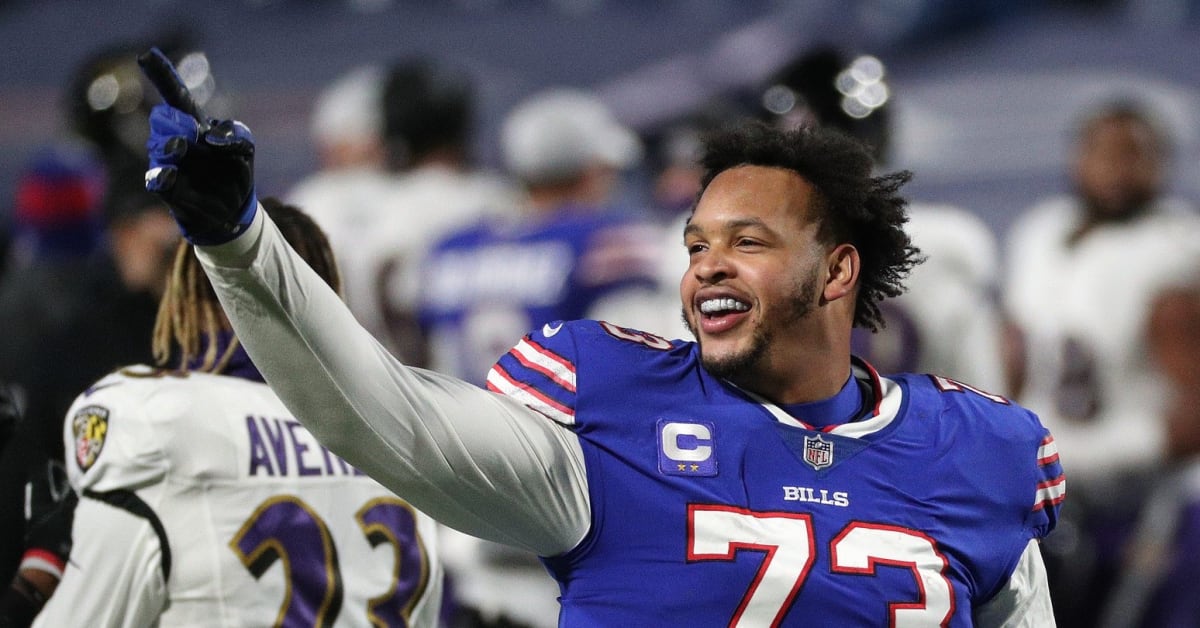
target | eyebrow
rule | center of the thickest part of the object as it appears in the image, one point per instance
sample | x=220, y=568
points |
x=740, y=223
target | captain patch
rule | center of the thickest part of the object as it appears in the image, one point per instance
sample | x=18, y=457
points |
x=686, y=448
x=90, y=427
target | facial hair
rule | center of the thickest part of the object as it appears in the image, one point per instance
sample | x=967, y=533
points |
x=742, y=366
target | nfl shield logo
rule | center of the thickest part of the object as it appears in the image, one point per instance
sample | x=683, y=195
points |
x=818, y=452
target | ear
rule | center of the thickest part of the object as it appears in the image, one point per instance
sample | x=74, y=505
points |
x=842, y=265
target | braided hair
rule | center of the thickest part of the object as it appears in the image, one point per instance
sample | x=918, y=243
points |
x=191, y=323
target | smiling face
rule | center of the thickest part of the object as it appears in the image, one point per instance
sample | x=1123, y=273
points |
x=759, y=280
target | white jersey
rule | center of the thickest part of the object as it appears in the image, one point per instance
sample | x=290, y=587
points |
x=344, y=203
x=947, y=322
x=203, y=503
x=382, y=227
x=1083, y=309
x=481, y=462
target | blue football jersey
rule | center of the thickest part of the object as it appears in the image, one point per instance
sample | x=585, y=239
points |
x=719, y=509
x=485, y=285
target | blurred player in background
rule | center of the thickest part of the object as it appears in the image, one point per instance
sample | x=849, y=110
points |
x=58, y=227
x=948, y=321
x=346, y=128
x=382, y=226
x=83, y=302
x=1161, y=563
x=202, y=502
x=1083, y=273
x=572, y=253
x=44, y=538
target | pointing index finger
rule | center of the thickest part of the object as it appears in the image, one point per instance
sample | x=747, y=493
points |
x=161, y=73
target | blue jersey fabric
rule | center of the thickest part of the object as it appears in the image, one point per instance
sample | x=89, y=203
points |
x=709, y=507
x=487, y=284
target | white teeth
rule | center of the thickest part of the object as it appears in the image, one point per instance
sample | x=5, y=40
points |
x=712, y=306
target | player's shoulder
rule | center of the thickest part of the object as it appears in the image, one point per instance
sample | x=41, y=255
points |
x=1175, y=218
x=953, y=238
x=1004, y=445
x=125, y=429
x=152, y=391
x=1048, y=218
x=955, y=405
x=127, y=387
x=554, y=367
x=110, y=433
x=608, y=353
x=593, y=336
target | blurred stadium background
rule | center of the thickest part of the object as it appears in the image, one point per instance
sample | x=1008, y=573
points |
x=984, y=91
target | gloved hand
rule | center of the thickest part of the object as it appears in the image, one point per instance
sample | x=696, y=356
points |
x=203, y=169
x=50, y=512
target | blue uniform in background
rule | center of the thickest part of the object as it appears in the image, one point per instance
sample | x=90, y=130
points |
x=723, y=509
x=485, y=285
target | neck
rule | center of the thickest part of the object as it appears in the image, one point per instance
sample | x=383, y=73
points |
x=1095, y=217
x=807, y=377
x=810, y=365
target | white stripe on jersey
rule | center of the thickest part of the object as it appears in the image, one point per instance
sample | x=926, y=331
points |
x=532, y=398
x=546, y=363
x=1048, y=452
x=1050, y=492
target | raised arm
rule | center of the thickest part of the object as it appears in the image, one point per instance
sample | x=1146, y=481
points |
x=472, y=459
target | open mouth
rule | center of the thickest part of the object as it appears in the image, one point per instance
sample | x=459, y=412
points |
x=718, y=314
x=720, y=307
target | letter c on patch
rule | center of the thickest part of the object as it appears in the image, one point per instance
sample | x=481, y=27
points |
x=687, y=442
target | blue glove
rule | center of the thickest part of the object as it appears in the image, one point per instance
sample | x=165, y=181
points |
x=203, y=170
x=205, y=177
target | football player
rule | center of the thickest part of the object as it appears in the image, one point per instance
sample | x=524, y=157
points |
x=203, y=502
x=760, y=476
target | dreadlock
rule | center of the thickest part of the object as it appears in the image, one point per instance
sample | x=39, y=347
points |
x=190, y=320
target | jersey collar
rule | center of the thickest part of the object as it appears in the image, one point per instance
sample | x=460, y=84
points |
x=883, y=401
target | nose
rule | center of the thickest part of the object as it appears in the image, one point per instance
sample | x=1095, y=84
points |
x=711, y=266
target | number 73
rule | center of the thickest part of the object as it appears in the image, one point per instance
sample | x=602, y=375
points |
x=789, y=545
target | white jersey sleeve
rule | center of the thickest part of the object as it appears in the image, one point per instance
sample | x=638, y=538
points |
x=1025, y=601
x=475, y=460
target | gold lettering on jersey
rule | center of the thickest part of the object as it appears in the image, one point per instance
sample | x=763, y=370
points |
x=811, y=495
x=283, y=447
